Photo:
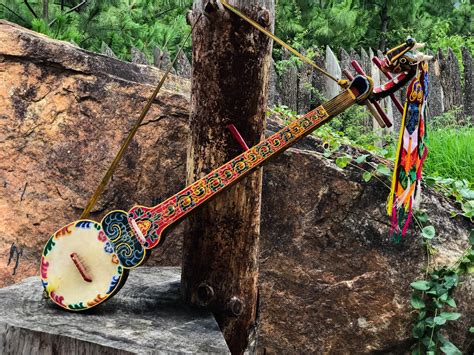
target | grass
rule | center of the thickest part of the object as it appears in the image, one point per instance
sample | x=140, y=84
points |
x=451, y=153
x=450, y=141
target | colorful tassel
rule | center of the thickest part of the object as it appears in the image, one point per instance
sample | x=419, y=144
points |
x=411, y=152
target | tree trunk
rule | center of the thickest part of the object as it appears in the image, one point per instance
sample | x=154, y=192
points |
x=229, y=85
x=384, y=18
x=46, y=10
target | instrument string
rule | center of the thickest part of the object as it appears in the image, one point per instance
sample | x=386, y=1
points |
x=342, y=83
x=113, y=166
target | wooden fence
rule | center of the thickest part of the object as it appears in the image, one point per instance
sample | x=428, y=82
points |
x=301, y=88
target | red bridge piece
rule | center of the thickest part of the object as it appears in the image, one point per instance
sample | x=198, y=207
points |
x=378, y=63
x=235, y=133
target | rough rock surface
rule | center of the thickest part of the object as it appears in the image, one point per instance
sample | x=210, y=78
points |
x=147, y=316
x=273, y=97
x=331, y=281
x=318, y=80
x=64, y=113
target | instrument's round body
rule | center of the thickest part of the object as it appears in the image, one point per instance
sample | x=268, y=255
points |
x=79, y=268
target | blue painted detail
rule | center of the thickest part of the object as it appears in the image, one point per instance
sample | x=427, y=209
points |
x=113, y=284
x=413, y=118
x=84, y=224
x=109, y=248
x=120, y=234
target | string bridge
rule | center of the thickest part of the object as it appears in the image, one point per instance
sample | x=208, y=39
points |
x=138, y=232
x=80, y=267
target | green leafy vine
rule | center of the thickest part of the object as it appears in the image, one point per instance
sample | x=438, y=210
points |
x=432, y=296
x=433, y=300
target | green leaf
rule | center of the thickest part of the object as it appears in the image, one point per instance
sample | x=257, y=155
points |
x=439, y=320
x=447, y=181
x=421, y=285
x=367, y=176
x=451, y=281
x=440, y=290
x=430, y=181
x=418, y=330
x=417, y=302
x=428, y=342
x=468, y=207
x=422, y=216
x=468, y=194
x=450, y=349
x=429, y=322
x=383, y=169
x=471, y=330
x=362, y=158
x=450, y=315
x=471, y=237
x=451, y=302
x=428, y=232
x=342, y=161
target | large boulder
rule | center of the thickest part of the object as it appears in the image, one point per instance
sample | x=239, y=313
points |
x=64, y=114
x=331, y=281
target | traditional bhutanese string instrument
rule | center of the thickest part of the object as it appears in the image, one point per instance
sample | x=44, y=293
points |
x=85, y=263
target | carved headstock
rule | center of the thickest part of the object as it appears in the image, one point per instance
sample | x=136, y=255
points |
x=401, y=58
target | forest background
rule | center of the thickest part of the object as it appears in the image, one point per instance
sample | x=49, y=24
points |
x=308, y=25
x=146, y=24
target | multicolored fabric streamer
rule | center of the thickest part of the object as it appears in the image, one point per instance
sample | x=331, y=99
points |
x=405, y=191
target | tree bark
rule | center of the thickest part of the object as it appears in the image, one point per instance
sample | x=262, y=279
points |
x=229, y=85
x=384, y=18
x=46, y=10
